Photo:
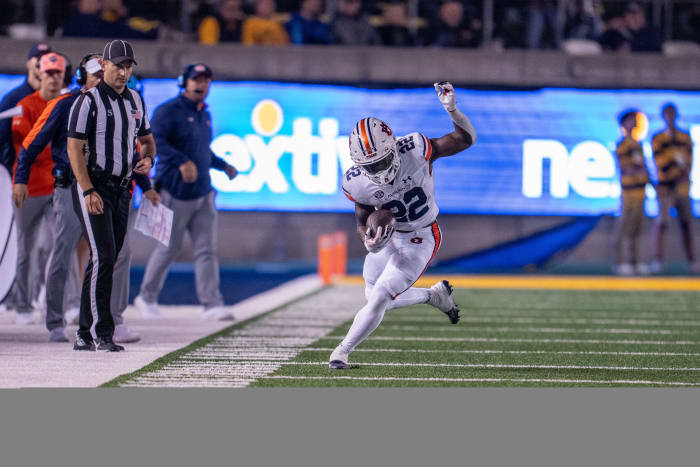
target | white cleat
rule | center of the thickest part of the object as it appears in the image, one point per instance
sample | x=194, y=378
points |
x=339, y=359
x=440, y=297
x=218, y=313
x=148, y=310
x=72, y=316
x=124, y=335
x=24, y=319
x=642, y=270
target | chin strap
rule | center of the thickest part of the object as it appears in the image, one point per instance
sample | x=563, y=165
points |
x=463, y=122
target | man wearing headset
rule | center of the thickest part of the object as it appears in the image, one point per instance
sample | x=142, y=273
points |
x=63, y=279
x=182, y=130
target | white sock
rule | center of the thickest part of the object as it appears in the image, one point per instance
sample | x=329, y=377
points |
x=412, y=296
x=366, y=320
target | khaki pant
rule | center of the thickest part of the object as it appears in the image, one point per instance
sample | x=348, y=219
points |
x=629, y=229
x=673, y=196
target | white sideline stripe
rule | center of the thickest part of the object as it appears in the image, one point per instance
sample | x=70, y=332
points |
x=276, y=297
x=505, y=365
x=95, y=255
x=662, y=332
x=533, y=352
x=491, y=380
x=496, y=339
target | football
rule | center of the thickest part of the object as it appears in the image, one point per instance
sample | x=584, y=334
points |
x=380, y=218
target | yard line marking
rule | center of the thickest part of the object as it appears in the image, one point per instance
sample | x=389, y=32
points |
x=554, y=282
x=446, y=328
x=525, y=352
x=490, y=380
x=496, y=339
x=539, y=320
x=504, y=365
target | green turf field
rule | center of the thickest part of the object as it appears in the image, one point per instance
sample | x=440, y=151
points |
x=521, y=338
x=506, y=338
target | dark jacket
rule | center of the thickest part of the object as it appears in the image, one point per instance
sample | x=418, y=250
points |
x=52, y=128
x=183, y=133
x=303, y=31
x=11, y=99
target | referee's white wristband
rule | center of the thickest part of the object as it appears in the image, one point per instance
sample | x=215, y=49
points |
x=463, y=122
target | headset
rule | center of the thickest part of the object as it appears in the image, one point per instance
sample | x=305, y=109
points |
x=81, y=72
x=182, y=78
x=67, y=77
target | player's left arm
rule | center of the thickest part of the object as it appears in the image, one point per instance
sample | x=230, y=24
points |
x=464, y=134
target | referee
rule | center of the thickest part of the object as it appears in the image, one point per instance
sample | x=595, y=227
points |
x=103, y=127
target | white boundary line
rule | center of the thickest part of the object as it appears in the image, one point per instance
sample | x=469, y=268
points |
x=276, y=297
x=489, y=380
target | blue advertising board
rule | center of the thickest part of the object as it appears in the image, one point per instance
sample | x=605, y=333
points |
x=540, y=152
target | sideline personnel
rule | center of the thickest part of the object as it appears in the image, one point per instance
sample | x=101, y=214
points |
x=32, y=199
x=673, y=155
x=12, y=98
x=103, y=127
x=182, y=129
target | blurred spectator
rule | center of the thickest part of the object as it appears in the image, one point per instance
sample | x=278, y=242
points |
x=305, y=26
x=454, y=28
x=673, y=157
x=616, y=37
x=263, y=28
x=541, y=24
x=108, y=18
x=350, y=26
x=687, y=26
x=583, y=21
x=510, y=24
x=394, y=32
x=223, y=26
x=645, y=37
x=633, y=180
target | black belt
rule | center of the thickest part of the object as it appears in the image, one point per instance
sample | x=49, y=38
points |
x=109, y=180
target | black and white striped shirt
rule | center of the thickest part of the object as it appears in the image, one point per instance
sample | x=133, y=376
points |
x=110, y=123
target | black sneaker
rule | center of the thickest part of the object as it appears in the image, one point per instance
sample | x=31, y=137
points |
x=107, y=344
x=83, y=344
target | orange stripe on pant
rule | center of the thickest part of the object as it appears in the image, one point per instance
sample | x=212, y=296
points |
x=437, y=235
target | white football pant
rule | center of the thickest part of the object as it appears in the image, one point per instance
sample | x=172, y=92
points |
x=389, y=275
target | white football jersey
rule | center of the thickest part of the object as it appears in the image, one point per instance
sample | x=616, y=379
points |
x=410, y=197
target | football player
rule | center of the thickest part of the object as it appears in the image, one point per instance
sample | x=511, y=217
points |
x=397, y=174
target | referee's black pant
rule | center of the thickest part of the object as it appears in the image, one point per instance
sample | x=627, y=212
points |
x=105, y=233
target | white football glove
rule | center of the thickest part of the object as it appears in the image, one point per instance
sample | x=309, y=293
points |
x=380, y=239
x=446, y=94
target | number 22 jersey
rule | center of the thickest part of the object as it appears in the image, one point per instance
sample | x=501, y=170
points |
x=410, y=197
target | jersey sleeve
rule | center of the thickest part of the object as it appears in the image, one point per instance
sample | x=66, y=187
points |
x=415, y=145
x=352, y=189
x=82, y=116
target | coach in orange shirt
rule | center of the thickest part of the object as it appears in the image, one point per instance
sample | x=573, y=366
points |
x=33, y=200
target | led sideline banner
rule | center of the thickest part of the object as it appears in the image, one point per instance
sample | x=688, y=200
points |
x=540, y=152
